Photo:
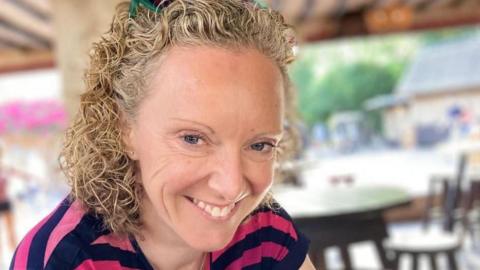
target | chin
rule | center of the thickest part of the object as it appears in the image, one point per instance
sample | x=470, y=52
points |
x=210, y=241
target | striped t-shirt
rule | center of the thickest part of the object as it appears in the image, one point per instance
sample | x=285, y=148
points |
x=69, y=238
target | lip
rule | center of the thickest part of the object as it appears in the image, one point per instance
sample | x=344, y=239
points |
x=208, y=216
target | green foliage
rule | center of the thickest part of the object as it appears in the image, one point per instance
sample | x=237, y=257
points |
x=344, y=87
x=342, y=75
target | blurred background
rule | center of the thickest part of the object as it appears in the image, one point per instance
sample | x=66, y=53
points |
x=389, y=101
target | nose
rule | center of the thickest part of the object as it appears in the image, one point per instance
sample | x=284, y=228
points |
x=228, y=178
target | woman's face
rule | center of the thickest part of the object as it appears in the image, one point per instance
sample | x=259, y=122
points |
x=205, y=139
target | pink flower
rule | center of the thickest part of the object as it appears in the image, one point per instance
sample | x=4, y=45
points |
x=36, y=116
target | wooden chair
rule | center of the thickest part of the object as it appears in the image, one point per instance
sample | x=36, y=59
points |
x=432, y=245
x=450, y=197
x=451, y=204
x=471, y=219
x=341, y=234
x=435, y=201
x=429, y=245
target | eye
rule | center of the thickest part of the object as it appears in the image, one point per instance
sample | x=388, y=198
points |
x=262, y=151
x=194, y=144
x=192, y=138
x=261, y=146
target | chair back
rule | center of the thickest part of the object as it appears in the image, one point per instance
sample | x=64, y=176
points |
x=340, y=234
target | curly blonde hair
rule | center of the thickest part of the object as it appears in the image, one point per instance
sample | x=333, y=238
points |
x=94, y=157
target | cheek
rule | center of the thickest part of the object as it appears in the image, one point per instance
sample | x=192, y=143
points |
x=263, y=178
x=183, y=173
x=172, y=172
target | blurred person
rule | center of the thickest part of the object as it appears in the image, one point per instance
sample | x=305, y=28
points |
x=6, y=213
x=188, y=109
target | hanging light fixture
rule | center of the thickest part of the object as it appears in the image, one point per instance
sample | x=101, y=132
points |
x=390, y=18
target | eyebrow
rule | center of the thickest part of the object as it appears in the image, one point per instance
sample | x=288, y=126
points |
x=274, y=134
x=194, y=122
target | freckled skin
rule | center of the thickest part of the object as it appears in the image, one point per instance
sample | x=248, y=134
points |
x=233, y=99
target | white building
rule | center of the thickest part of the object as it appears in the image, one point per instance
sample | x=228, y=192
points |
x=438, y=95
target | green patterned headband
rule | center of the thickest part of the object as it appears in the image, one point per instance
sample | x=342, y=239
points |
x=158, y=5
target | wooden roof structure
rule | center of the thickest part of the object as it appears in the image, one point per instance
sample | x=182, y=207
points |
x=447, y=67
x=327, y=19
x=27, y=35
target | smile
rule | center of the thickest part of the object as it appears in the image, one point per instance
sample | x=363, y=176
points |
x=212, y=210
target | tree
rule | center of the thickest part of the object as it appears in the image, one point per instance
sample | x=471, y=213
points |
x=341, y=75
x=345, y=87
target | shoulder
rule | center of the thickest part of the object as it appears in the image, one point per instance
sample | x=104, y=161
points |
x=42, y=239
x=268, y=238
x=68, y=238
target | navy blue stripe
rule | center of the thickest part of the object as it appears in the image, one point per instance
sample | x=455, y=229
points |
x=105, y=252
x=253, y=240
x=75, y=248
x=266, y=263
x=12, y=262
x=36, y=252
x=87, y=230
x=296, y=254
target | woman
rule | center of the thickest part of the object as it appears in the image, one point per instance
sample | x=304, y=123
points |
x=172, y=154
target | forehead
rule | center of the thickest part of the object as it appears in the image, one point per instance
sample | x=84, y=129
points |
x=214, y=64
x=203, y=82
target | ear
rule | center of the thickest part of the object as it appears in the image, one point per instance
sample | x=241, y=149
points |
x=128, y=136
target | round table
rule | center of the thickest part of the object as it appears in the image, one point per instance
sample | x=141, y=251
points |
x=340, y=216
x=332, y=202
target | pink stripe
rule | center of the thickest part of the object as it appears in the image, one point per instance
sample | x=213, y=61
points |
x=257, y=222
x=23, y=249
x=115, y=241
x=110, y=265
x=68, y=222
x=255, y=255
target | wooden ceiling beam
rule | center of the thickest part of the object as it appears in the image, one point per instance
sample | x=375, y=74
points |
x=466, y=14
x=432, y=18
x=355, y=5
x=440, y=4
x=4, y=45
x=416, y=2
x=14, y=38
x=27, y=22
x=324, y=9
x=387, y=3
x=42, y=7
x=14, y=60
x=289, y=9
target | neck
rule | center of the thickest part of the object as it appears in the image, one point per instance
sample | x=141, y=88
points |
x=164, y=249
x=161, y=258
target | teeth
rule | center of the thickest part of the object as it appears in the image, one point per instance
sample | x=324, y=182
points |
x=212, y=210
x=225, y=211
x=215, y=212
